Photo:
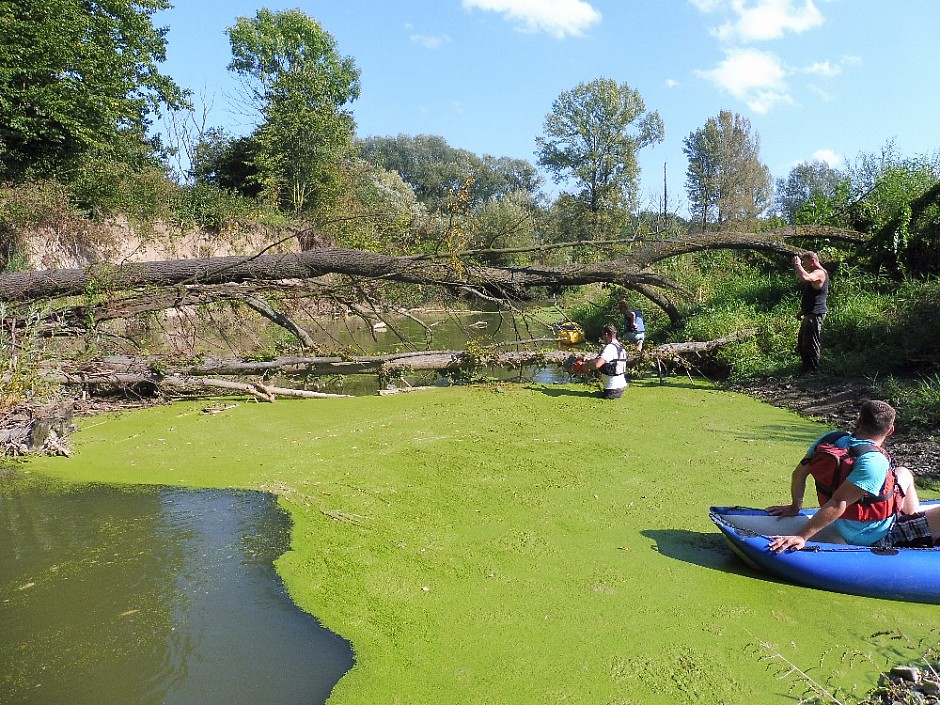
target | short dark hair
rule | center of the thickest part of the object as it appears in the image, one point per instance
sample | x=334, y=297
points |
x=876, y=416
x=609, y=328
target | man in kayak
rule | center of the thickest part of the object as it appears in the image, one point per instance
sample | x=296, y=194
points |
x=876, y=505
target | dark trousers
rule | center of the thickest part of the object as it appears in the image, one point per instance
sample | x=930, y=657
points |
x=808, y=342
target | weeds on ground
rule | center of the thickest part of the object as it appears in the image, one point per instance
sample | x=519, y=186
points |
x=891, y=688
x=918, y=399
x=877, y=328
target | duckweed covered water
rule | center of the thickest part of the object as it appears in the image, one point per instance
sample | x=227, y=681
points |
x=526, y=543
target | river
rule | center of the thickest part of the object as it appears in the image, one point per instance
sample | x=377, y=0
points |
x=162, y=596
x=460, y=330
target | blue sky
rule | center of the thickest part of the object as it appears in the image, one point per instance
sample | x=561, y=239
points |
x=818, y=79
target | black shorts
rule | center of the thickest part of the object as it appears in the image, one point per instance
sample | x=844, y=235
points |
x=908, y=531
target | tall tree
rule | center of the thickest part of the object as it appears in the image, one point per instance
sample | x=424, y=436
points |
x=299, y=83
x=591, y=137
x=78, y=77
x=813, y=193
x=726, y=182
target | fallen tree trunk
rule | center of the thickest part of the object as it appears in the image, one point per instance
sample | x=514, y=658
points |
x=46, y=432
x=668, y=350
x=124, y=369
x=176, y=283
x=258, y=390
x=28, y=286
x=631, y=272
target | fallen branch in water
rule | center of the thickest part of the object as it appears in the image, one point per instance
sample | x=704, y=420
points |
x=157, y=376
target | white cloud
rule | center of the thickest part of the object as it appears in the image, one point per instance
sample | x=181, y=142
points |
x=827, y=156
x=671, y=83
x=556, y=17
x=823, y=68
x=430, y=41
x=821, y=93
x=707, y=6
x=758, y=78
x=761, y=20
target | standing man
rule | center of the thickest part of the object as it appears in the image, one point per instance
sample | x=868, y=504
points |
x=813, y=307
x=634, y=329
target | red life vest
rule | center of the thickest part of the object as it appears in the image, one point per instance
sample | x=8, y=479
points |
x=830, y=465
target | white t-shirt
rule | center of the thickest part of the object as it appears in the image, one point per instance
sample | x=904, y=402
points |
x=613, y=351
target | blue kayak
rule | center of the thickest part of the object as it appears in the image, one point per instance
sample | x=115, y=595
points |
x=827, y=562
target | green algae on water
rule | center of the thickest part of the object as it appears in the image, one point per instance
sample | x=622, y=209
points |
x=520, y=544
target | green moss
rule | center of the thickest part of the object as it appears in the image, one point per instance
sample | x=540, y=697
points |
x=520, y=544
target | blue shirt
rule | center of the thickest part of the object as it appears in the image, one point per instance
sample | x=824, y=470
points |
x=638, y=322
x=869, y=474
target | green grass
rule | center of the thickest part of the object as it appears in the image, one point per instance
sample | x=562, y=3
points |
x=519, y=544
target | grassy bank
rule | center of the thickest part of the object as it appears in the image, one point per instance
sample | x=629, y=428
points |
x=524, y=544
x=879, y=329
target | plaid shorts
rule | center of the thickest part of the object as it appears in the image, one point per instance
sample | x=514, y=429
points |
x=908, y=531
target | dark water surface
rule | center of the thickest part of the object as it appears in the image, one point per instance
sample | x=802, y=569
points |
x=454, y=331
x=153, y=596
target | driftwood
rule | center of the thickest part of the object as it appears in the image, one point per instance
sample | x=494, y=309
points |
x=262, y=392
x=37, y=430
x=674, y=350
x=32, y=431
x=123, y=370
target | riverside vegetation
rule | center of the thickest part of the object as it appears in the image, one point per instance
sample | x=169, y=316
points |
x=525, y=543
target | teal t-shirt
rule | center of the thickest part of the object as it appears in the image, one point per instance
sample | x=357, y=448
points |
x=868, y=473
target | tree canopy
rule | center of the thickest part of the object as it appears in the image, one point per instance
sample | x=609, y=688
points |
x=591, y=136
x=809, y=193
x=78, y=77
x=435, y=170
x=296, y=79
x=726, y=181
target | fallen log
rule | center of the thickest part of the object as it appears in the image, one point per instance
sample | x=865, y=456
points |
x=47, y=431
x=157, y=371
x=668, y=350
x=129, y=379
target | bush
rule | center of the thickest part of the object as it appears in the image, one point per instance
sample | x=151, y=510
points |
x=33, y=205
x=211, y=207
x=105, y=188
x=20, y=354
